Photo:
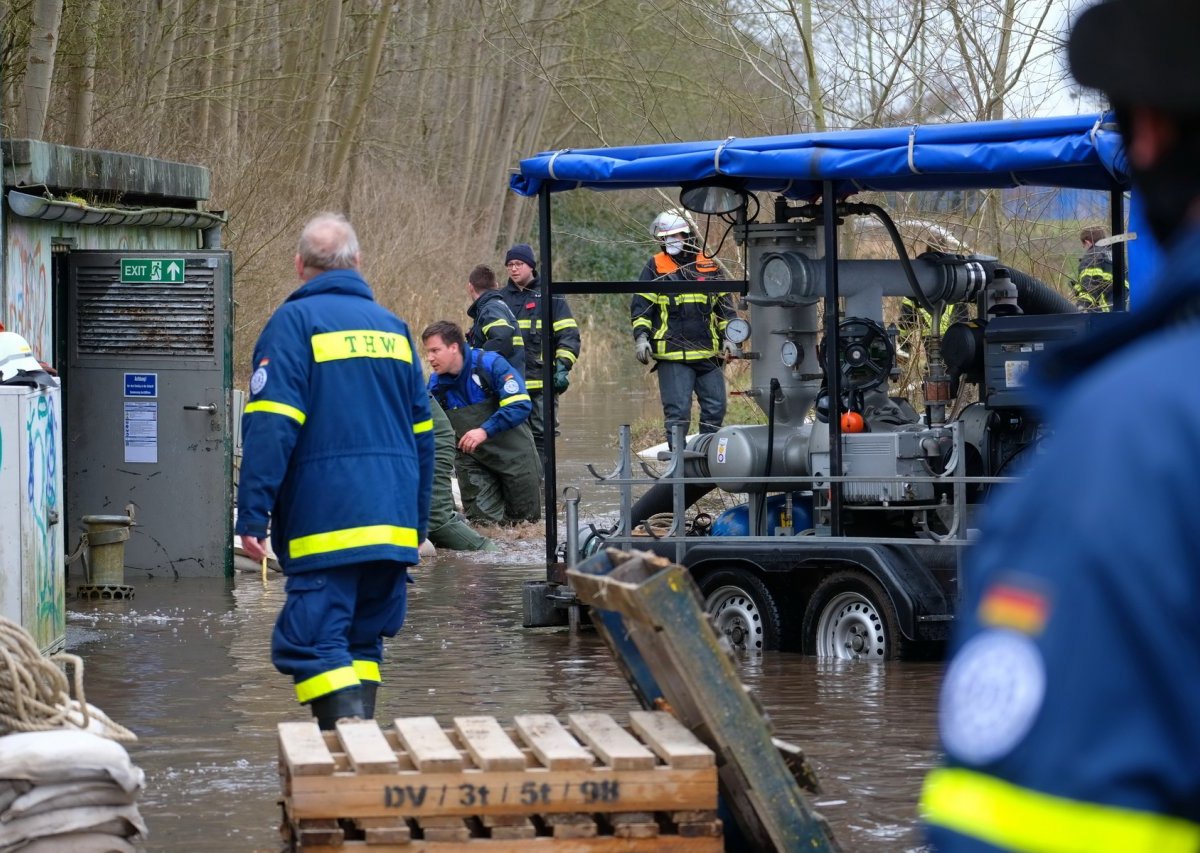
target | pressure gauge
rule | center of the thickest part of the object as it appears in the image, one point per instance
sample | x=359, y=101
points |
x=737, y=331
x=776, y=276
x=789, y=353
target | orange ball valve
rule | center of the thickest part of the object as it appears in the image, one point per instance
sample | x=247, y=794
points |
x=852, y=422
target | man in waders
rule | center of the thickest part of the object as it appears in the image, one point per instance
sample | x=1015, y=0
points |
x=338, y=459
x=1068, y=710
x=499, y=474
x=447, y=529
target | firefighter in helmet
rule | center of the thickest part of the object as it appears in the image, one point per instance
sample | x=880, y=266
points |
x=683, y=333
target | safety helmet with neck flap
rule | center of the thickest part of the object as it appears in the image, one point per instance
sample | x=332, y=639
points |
x=667, y=223
x=17, y=364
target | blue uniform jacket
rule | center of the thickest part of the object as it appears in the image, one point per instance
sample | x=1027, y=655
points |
x=1069, y=708
x=485, y=375
x=337, y=435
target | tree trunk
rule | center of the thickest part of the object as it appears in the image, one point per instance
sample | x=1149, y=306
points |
x=366, y=83
x=39, y=68
x=83, y=79
x=319, y=94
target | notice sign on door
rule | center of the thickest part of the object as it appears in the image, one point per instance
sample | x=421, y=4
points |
x=141, y=432
x=141, y=384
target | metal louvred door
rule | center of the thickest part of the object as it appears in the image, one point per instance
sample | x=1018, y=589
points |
x=147, y=384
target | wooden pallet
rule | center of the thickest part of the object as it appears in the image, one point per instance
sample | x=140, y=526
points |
x=592, y=785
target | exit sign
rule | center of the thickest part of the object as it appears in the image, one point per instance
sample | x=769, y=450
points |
x=152, y=270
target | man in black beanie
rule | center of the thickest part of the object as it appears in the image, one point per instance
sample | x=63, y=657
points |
x=523, y=293
x=1068, y=710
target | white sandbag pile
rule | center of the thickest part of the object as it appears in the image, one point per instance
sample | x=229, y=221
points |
x=67, y=790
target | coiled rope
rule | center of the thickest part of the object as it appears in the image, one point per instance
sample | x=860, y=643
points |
x=35, y=694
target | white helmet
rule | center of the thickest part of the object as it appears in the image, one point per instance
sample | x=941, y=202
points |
x=668, y=222
x=17, y=364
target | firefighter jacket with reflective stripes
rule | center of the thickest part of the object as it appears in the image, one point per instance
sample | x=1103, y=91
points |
x=684, y=326
x=494, y=327
x=526, y=305
x=1068, y=709
x=1094, y=287
x=337, y=435
x=485, y=376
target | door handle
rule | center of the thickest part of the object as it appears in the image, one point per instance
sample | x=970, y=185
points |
x=211, y=408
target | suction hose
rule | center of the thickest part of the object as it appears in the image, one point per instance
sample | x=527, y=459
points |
x=658, y=498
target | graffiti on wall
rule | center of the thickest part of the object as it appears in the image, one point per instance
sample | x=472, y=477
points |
x=27, y=288
x=42, y=557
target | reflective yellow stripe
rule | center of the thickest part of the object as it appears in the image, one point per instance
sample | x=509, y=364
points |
x=422, y=426
x=515, y=398
x=533, y=384
x=367, y=670
x=495, y=323
x=327, y=682
x=566, y=355
x=518, y=341
x=569, y=323
x=641, y=321
x=360, y=343
x=525, y=324
x=276, y=409
x=1095, y=272
x=352, y=537
x=1015, y=818
x=687, y=298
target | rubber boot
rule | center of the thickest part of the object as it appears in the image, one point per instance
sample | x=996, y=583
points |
x=331, y=707
x=369, y=690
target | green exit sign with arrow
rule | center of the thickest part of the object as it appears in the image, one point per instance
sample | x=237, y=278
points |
x=152, y=270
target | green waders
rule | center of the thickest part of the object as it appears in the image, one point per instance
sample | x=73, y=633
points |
x=500, y=483
x=446, y=527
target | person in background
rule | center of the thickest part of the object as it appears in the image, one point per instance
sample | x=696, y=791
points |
x=683, y=333
x=487, y=404
x=1068, y=723
x=338, y=460
x=493, y=325
x=1094, y=286
x=523, y=293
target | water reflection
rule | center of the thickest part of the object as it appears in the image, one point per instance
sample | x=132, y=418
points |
x=186, y=665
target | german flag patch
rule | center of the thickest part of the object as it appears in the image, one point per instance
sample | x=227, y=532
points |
x=1006, y=605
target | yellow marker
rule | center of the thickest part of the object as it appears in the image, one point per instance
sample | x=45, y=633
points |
x=264, y=568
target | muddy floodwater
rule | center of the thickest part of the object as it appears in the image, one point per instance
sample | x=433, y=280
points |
x=186, y=665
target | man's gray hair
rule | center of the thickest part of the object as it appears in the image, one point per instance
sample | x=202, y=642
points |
x=328, y=242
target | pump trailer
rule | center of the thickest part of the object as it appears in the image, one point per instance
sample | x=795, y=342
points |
x=851, y=541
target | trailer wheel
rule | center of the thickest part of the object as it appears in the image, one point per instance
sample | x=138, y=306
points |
x=850, y=617
x=742, y=608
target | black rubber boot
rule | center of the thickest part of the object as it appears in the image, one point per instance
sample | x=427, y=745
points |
x=331, y=707
x=369, y=690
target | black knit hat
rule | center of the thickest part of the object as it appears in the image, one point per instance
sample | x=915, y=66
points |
x=1140, y=52
x=521, y=252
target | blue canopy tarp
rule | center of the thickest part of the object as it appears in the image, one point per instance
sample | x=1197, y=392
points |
x=1075, y=151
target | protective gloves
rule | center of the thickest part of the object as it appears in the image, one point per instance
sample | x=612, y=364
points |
x=731, y=350
x=641, y=349
x=561, y=380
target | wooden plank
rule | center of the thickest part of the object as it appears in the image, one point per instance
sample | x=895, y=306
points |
x=572, y=826
x=508, y=827
x=634, y=825
x=551, y=743
x=488, y=745
x=413, y=794
x=599, y=844
x=428, y=746
x=671, y=740
x=303, y=750
x=384, y=830
x=308, y=832
x=366, y=747
x=444, y=829
x=615, y=747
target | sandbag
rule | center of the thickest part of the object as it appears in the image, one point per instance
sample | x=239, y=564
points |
x=65, y=754
x=66, y=795
x=79, y=842
x=118, y=821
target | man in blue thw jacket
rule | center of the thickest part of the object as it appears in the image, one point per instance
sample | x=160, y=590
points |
x=338, y=457
x=499, y=473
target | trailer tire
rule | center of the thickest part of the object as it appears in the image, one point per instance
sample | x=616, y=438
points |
x=742, y=608
x=851, y=617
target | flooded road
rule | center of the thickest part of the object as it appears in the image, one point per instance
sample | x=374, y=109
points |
x=186, y=665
